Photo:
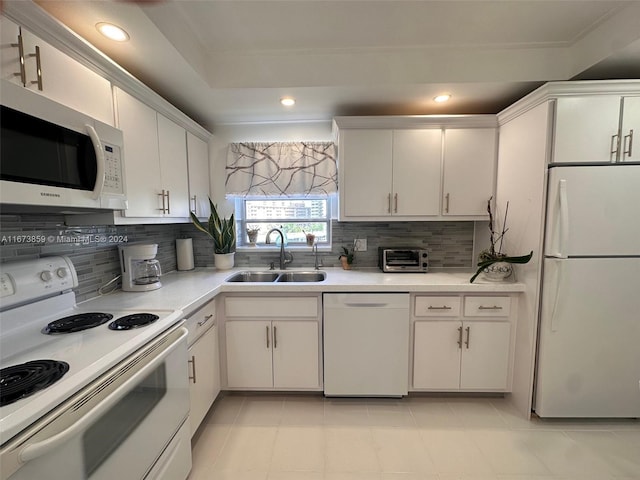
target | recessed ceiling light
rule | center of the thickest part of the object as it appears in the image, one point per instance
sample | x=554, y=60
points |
x=112, y=31
x=441, y=98
x=288, y=101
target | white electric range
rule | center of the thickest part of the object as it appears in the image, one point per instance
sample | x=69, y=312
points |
x=75, y=379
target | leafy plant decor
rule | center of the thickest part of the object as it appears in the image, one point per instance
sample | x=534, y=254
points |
x=222, y=230
x=494, y=253
x=348, y=254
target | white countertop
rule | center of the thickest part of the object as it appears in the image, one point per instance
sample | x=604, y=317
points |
x=188, y=290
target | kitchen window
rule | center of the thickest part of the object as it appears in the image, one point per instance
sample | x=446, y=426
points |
x=295, y=216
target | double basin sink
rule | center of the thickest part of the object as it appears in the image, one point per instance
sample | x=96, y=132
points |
x=269, y=277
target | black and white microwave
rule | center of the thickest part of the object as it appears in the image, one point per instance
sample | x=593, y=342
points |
x=53, y=156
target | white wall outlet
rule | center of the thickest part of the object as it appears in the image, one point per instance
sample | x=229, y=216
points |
x=360, y=245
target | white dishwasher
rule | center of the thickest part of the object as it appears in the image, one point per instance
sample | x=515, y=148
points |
x=366, y=344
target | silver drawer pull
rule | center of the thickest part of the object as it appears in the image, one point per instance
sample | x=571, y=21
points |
x=205, y=320
x=444, y=307
x=495, y=307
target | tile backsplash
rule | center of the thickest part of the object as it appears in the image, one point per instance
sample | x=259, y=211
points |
x=93, y=250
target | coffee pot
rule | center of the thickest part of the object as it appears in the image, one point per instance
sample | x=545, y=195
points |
x=141, y=271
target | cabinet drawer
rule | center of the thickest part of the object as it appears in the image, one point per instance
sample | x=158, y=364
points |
x=200, y=321
x=487, y=306
x=427, y=306
x=271, y=307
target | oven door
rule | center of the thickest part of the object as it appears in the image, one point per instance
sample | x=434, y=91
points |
x=117, y=427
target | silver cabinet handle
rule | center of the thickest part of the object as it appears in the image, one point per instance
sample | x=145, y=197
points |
x=444, y=307
x=193, y=368
x=495, y=307
x=20, y=46
x=389, y=203
x=168, y=203
x=38, y=68
x=627, y=151
x=275, y=338
x=446, y=207
x=460, y=337
x=267, y=327
x=468, y=337
x=395, y=208
x=195, y=205
x=205, y=320
x=613, y=149
x=165, y=203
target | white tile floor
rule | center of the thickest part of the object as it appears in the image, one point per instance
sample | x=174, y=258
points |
x=297, y=437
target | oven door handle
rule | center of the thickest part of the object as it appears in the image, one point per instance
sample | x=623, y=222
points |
x=100, y=168
x=34, y=450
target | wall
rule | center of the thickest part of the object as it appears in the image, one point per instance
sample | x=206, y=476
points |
x=450, y=244
x=93, y=250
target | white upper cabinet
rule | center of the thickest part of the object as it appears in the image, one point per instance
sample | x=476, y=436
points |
x=596, y=129
x=434, y=171
x=155, y=160
x=469, y=170
x=416, y=172
x=630, y=127
x=366, y=157
x=198, y=161
x=53, y=74
x=172, y=147
x=390, y=172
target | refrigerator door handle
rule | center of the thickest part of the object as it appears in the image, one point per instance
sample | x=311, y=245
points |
x=564, y=219
x=560, y=280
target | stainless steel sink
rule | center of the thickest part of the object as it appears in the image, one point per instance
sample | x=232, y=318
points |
x=268, y=277
x=302, y=277
x=253, y=277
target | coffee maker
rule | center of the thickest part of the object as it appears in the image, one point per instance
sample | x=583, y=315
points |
x=140, y=270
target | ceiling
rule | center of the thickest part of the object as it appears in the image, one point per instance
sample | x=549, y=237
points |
x=231, y=61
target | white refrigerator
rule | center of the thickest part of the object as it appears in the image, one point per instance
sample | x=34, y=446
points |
x=588, y=362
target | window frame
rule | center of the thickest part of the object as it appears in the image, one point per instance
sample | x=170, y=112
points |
x=241, y=220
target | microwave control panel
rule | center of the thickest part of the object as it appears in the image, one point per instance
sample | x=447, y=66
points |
x=113, y=181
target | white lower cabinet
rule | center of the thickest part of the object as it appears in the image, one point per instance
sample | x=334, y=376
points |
x=273, y=343
x=272, y=354
x=203, y=363
x=463, y=353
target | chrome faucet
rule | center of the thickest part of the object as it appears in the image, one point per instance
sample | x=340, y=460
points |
x=317, y=263
x=283, y=254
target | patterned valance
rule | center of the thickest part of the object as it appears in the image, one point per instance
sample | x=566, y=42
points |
x=279, y=168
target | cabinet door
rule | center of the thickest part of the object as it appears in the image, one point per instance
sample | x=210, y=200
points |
x=198, y=161
x=141, y=157
x=586, y=129
x=295, y=354
x=249, y=354
x=9, y=53
x=436, y=355
x=417, y=160
x=630, y=129
x=485, y=355
x=469, y=170
x=66, y=81
x=172, y=147
x=204, y=376
x=366, y=172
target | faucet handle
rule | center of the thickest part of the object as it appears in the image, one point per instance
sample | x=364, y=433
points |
x=272, y=266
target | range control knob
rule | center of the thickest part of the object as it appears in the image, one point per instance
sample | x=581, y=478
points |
x=62, y=272
x=46, y=275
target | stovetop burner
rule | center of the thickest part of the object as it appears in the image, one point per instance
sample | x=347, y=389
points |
x=76, y=323
x=133, y=321
x=25, y=379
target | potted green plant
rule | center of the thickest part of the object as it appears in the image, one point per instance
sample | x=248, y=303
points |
x=493, y=262
x=346, y=258
x=223, y=233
